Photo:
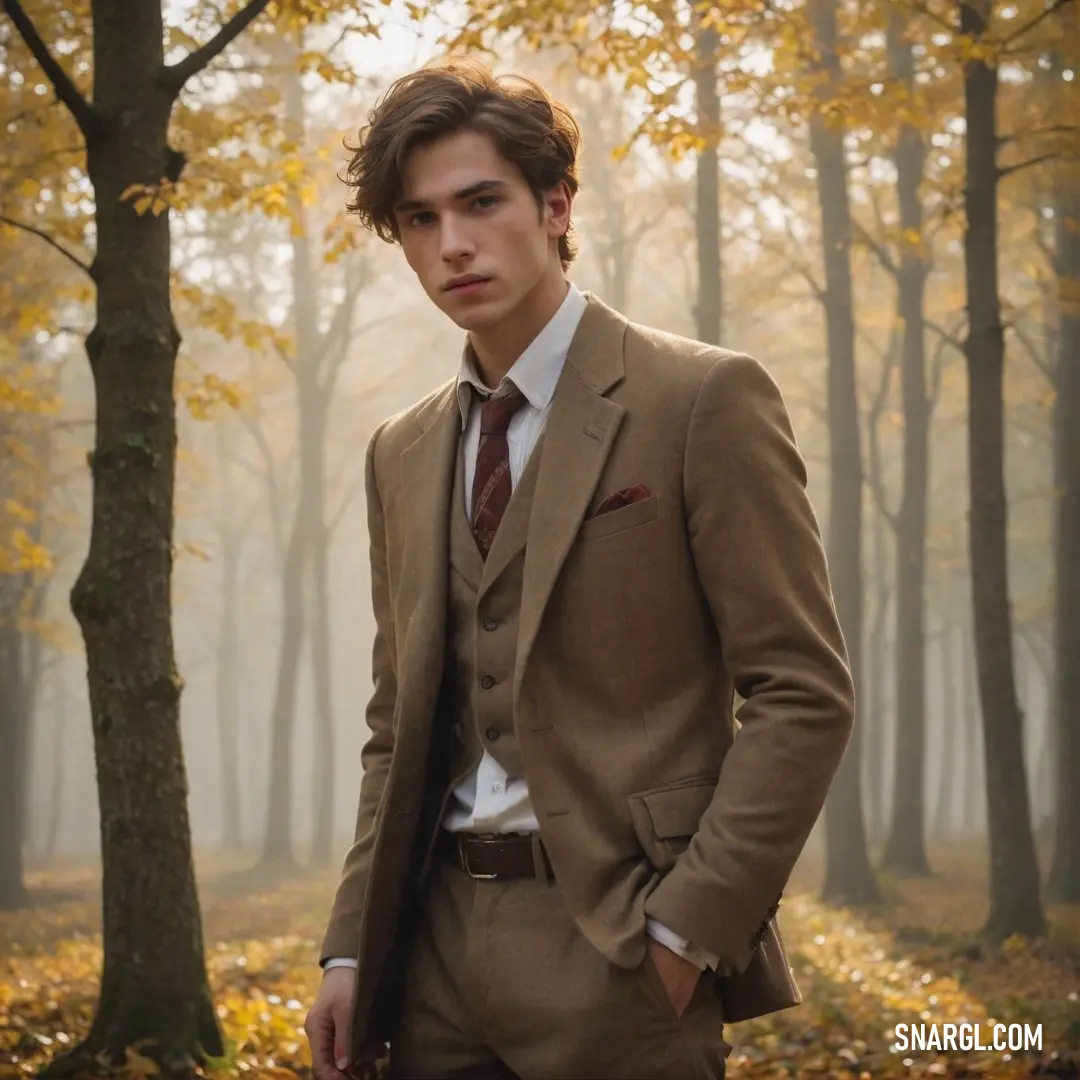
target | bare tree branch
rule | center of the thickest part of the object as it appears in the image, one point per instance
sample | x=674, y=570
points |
x=1031, y=133
x=816, y=290
x=66, y=91
x=269, y=476
x=70, y=255
x=764, y=183
x=923, y=8
x=1033, y=22
x=937, y=370
x=1044, y=369
x=950, y=338
x=1037, y=160
x=347, y=497
x=73, y=424
x=176, y=75
x=333, y=343
x=879, y=249
x=874, y=475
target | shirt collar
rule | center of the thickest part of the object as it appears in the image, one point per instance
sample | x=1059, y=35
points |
x=536, y=371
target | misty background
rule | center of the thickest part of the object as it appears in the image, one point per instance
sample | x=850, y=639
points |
x=300, y=334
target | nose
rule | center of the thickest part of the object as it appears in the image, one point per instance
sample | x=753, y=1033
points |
x=454, y=239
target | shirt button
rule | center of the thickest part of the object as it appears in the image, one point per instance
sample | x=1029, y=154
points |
x=487, y=682
x=496, y=788
x=490, y=623
x=492, y=734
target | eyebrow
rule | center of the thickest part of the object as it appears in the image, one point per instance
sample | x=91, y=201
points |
x=465, y=193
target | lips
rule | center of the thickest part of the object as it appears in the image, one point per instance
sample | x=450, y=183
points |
x=466, y=283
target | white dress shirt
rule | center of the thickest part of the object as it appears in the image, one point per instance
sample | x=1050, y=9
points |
x=488, y=800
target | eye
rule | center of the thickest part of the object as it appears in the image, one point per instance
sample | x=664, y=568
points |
x=421, y=217
x=485, y=202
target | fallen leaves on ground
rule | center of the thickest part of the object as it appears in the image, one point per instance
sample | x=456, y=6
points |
x=917, y=960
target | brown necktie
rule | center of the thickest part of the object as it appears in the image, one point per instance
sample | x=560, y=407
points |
x=492, y=485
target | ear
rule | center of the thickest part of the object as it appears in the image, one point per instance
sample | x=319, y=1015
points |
x=558, y=206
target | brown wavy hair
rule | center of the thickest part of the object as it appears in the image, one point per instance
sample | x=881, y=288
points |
x=529, y=128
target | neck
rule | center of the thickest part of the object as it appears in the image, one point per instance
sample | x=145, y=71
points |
x=498, y=347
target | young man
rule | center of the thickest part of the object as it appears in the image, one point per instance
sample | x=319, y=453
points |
x=566, y=862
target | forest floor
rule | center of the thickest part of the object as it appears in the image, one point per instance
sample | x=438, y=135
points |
x=916, y=959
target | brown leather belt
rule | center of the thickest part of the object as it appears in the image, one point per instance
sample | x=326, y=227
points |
x=491, y=856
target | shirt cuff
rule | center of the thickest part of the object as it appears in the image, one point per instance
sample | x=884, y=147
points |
x=341, y=961
x=699, y=957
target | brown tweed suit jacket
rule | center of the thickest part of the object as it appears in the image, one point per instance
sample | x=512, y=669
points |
x=637, y=628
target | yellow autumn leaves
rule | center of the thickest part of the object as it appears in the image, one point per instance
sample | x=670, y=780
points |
x=24, y=404
x=913, y=962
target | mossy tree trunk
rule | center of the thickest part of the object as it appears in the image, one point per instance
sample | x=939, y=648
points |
x=849, y=878
x=1015, y=904
x=905, y=849
x=153, y=988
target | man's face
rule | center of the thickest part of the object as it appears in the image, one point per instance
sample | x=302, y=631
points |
x=471, y=229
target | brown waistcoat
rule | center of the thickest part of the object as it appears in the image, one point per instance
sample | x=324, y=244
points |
x=483, y=604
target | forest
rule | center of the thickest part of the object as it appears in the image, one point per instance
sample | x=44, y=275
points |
x=879, y=199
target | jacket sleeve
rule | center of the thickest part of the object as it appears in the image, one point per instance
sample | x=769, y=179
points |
x=342, y=937
x=761, y=563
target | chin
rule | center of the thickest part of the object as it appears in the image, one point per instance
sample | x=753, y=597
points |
x=477, y=316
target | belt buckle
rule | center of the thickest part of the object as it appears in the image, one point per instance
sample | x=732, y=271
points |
x=465, y=863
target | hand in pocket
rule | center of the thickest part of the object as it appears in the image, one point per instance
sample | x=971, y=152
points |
x=678, y=975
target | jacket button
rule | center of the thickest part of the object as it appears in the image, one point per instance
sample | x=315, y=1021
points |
x=490, y=623
x=492, y=734
x=487, y=682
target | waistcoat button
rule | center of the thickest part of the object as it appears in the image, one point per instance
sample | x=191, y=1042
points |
x=487, y=682
x=490, y=623
x=492, y=734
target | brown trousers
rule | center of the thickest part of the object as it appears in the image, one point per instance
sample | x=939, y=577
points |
x=501, y=984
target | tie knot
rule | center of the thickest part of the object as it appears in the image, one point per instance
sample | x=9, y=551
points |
x=497, y=412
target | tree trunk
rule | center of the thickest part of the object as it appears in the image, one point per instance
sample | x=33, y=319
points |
x=973, y=798
x=154, y=983
x=950, y=722
x=849, y=878
x=602, y=122
x=277, y=840
x=905, y=850
x=309, y=527
x=21, y=603
x=154, y=991
x=322, y=840
x=228, y=701
x=13, y=893
x=228, y=661
x=709, y=309
x=228, y=684
x=56, y=790
x=1064, y=878
x=1015, y=905
x=320, y=356
x=875, y=714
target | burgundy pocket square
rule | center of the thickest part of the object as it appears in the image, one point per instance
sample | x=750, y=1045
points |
x=618, y=499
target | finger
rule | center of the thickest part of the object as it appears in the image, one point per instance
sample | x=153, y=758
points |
x=365, y=1065
x=340, y=1020
x=321, y=1037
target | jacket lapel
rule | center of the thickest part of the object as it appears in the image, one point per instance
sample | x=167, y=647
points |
x=578, y=438
x=427, y=473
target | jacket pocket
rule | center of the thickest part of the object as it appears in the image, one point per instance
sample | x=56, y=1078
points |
x=612, y=522
x=666, y=818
